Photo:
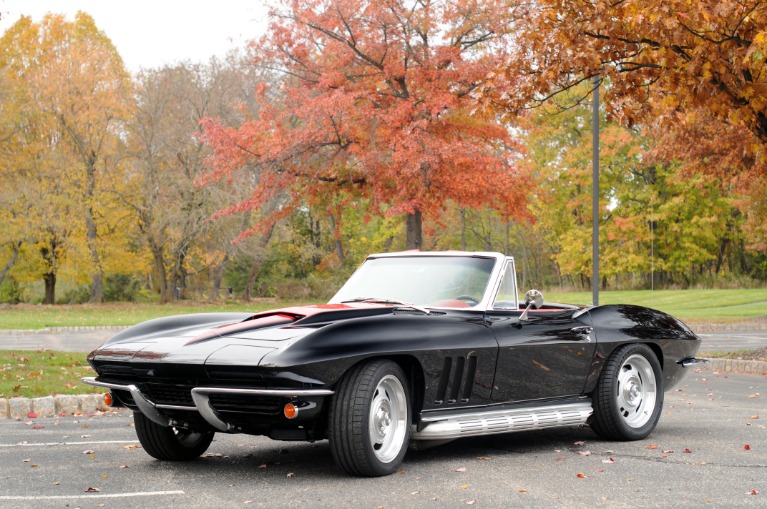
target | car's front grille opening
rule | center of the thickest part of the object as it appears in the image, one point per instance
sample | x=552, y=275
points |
x=247, y=403
x=162, y=394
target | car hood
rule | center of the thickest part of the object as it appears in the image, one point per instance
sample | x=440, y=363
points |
x=225, y=338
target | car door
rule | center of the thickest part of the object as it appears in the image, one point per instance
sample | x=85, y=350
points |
x=546, y=356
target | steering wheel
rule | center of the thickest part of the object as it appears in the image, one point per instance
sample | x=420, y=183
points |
x=468, y=299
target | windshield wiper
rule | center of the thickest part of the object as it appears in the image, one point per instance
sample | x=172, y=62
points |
x=381, y=300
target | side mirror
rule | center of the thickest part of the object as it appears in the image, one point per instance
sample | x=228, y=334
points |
x=533, y=299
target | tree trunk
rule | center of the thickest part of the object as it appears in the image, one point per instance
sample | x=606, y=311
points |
x=10, y=263
x=413, y=227
x=258, y=260
x=173, y=292
x=463, y=229
x=50, y=288
x=91, y=234
x=161, y=285
x=339, y=247
x=722, y=252
x=218, y=276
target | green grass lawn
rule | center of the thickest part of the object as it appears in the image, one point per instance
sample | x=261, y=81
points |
x=36, y=374
x=26, y=316
x=688, y=305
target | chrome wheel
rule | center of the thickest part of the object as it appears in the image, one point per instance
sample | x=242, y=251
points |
x=387, y=424
x=628, y=399
x=637, y=391
x=369, y=419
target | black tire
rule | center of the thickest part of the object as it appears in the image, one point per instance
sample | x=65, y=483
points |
x=628, y=399
x=369, y=419
x=168, y=443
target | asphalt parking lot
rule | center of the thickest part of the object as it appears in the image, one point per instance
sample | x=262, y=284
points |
x=709, y=450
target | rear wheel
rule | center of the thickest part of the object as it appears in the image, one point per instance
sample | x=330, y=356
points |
x=629, y=395
x=369, y=419
x=168, y=443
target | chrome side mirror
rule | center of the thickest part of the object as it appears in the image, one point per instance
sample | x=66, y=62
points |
x=533, y=299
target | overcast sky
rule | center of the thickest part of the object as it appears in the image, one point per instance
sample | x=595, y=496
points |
x=152, y=33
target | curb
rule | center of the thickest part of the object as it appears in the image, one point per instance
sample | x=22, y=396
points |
x=738, y=366
x=69, y=404
x=50, y=406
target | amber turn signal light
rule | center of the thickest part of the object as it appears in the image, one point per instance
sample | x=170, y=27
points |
x=290, y=410
x=108, y=399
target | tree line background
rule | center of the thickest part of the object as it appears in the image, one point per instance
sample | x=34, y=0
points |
x=355, y=127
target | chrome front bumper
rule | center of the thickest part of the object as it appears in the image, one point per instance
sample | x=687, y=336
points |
x=201, y=398
x=691, y=361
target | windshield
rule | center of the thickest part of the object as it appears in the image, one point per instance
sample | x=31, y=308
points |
x=432, y=281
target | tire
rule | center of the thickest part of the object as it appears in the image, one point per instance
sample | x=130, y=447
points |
x=168, y=443
x=369, y=419
x=629, y=396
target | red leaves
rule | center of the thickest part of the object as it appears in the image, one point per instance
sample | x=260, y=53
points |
x=394, y=124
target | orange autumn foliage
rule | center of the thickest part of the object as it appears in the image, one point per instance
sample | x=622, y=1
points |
x=378, y=100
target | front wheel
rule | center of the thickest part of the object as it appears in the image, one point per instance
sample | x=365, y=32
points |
x=369, y=419
x=168, y=443
x=629, y=395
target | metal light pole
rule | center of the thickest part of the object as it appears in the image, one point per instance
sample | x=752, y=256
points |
x=595, y=197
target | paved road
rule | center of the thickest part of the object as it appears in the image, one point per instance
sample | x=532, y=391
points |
x=697, y=457
x=63, y=341
x=732, y=341
x=87, y=340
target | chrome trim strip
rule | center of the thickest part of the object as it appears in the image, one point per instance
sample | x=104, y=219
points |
x=176, y=407
x=503, y=421
x=286, y=393
x=91, y=380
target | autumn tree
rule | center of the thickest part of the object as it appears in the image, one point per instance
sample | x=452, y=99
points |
x=173, y=214
x=77, y=82
x=36, y=208
x=652, y=220
x=680, y=54
x=380, y=102
x=690, y=74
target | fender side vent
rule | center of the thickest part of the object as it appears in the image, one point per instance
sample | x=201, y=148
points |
x=456, y=381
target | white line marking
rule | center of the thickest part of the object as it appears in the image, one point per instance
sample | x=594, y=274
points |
x=48, y=444
x=95, y=495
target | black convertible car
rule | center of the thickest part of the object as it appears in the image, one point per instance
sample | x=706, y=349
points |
x=415, y=347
